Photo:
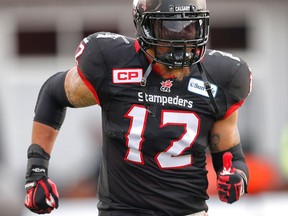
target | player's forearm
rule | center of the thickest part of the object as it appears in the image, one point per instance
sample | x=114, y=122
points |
x=44, y=136
x=224, y=134
x=41, y=193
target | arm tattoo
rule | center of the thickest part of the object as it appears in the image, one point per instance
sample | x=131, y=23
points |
x=214, y=142
x=78, y=94
x=80, y=101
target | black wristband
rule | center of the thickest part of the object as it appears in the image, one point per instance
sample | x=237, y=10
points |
x=38, y=162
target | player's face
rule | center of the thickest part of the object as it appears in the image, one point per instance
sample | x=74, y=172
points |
x=172, y=38
x=172, y=34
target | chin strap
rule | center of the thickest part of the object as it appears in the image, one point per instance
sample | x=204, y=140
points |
x=208, y=88
x=146, y=74
x=143, y=84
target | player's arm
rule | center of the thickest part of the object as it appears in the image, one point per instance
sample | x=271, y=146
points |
x=64, y=89
x=224, y=137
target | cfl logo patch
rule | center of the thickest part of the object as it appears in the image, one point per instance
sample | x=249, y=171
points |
x=127, y=75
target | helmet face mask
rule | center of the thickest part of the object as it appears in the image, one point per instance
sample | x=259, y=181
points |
x=181, y=34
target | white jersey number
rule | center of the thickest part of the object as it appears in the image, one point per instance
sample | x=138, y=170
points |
x=173, y=156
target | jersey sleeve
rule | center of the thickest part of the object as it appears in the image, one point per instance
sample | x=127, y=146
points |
x=90, y=64
x=238, y=89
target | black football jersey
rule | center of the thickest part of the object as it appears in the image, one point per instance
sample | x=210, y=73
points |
x=155, y=137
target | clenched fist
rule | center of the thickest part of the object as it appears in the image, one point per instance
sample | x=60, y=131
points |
x=41, y=196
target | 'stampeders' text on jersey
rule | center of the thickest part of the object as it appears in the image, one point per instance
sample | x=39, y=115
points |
x=155, y=137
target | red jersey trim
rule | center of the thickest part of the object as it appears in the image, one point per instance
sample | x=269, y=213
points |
x=233, y=108
x=137, y=46
x=89, y=85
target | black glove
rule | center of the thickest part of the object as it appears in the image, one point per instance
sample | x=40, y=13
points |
x=41, y=193
x=230, y=183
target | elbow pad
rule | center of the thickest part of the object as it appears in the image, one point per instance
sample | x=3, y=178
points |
x=52, y=101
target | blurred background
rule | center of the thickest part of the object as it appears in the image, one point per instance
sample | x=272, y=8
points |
x=39, y=38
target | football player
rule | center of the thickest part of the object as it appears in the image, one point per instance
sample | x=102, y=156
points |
x=165, y=99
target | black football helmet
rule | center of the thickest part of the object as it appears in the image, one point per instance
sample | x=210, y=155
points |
x=181, y=26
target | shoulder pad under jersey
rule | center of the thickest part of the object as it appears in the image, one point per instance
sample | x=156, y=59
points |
x=232, y=75
x=100, y=49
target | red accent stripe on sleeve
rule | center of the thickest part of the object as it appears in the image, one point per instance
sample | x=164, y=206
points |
x=89, y=85
x=233, y=108
x=137, y=46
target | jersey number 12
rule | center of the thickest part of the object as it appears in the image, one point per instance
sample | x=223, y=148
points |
x=173, y=156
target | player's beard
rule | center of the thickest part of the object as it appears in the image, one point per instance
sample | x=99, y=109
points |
x=166, y=72
x=177, y=73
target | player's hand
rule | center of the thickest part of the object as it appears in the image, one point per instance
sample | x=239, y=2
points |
x=41, y=196
x=230, y=184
